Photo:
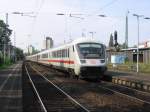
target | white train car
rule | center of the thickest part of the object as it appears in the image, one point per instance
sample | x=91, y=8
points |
x=84, y=57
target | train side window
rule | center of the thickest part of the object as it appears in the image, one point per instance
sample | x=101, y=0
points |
x=63, y=53
x=49, y=55
x=68, y=52
x=52, y=54
x=45, y=55
x=56, y=53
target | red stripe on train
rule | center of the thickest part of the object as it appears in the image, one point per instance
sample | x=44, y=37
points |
x=60, y=61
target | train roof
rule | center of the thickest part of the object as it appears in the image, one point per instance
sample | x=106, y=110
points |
x=85, y=39
x=76, y=41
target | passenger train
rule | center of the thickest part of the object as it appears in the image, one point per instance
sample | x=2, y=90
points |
x=84, y=57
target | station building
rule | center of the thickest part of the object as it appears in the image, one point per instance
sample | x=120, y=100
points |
x=131, y=53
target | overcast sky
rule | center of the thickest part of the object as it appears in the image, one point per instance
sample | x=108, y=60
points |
x=32, y=30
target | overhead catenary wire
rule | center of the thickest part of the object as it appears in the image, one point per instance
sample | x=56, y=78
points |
x=36, y=16
x=103, y=7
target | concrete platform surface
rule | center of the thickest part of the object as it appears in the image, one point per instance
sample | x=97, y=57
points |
x=11, y=89
x=131, y=79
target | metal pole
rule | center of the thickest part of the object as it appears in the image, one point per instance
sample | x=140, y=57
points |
x=7, y=19
x=138, y=22
x=4, y=49
x=126, y=31
x=14, y=47
x=92, y=34
x=138, y=46
x=9, y=50
x=4, y=55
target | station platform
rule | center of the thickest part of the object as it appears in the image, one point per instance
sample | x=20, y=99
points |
x=139, y=81
x=11, y=88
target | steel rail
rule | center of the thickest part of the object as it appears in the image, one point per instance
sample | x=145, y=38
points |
x=123, y=94
x=42, y=104
x=130, y=88
x=84, y=108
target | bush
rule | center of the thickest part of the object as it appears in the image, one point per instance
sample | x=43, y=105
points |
x=144, y=68
x=129, y=66
x=6, y=64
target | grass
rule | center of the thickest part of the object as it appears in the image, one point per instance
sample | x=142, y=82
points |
x=145, y=68
x=128, y=66
x=6, y=64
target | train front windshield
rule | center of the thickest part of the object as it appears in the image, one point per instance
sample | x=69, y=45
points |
x=91, y=51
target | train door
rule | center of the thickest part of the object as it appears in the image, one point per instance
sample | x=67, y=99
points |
x=61, y=58
x=71, y=56
x=38, y=56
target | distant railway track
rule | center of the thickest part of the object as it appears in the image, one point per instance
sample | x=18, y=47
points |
x=50, y=96
x=139, y=103
x=128, y=92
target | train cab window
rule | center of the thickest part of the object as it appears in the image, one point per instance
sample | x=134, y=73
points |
x=90, y=50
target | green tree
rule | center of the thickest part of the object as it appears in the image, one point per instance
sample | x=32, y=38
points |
x=111, y=43
x=124, y=46
x=5, y=32
x=19, y=54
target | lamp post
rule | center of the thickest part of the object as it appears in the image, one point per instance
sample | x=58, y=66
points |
x=70, y=15
x=102, y=15
x=147, y=18
x=126, y=31
x=29, y=14
x=138, y=22
x=73, y=16
x=25, y=14
x=92, y=34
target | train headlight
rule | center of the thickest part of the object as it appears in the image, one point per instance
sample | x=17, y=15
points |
x=102, y=61
x=83, y=61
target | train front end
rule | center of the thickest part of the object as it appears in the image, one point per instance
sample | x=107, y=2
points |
x=92, y=59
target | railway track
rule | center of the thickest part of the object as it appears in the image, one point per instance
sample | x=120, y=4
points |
x=50, y=98
x=97, y=96
x=128, y=92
